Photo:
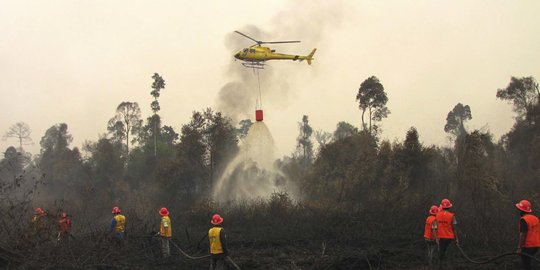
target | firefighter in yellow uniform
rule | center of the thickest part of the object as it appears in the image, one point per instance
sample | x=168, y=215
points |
x=218, y=246
x=118, y=225
x=165, y=231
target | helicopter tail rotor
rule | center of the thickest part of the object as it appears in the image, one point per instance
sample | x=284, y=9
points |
x=309, y=58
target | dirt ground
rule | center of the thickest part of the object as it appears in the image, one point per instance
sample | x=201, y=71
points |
x=143, y=252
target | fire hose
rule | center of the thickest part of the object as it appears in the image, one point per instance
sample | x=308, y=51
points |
x=494, y=258
x=202, y=257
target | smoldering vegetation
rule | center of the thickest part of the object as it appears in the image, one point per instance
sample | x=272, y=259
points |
x=360, y=202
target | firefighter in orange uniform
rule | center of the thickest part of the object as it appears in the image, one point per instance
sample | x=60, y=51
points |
x=430, y=235
x=529, y=233
x=218, y=245
x=64, y=227
x=165, y=231
x=444, y=226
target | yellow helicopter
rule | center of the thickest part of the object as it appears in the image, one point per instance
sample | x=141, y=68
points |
x=256, y=55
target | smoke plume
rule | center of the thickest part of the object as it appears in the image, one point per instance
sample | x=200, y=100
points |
x=300, y=20
x=251, y=173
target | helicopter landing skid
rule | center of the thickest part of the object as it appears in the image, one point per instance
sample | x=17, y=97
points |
x=255, y=65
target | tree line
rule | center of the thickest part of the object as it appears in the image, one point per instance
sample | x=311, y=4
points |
x=350, y=170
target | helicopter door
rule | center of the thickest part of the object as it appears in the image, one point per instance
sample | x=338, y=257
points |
x=253, y=54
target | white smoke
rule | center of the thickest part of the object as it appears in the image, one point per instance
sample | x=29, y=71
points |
x=251, y=173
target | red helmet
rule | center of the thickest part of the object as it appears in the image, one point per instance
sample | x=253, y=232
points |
x=445, y=203
x=434, y=210
x=216, y=219
x=116, y=210
x=524, y=206
x=163, y=211
x=64, y=215
x=39, y=211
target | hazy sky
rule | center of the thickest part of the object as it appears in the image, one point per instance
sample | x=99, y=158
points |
x=74, y=61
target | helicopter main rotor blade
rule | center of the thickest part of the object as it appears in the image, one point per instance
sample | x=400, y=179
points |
x=278, y=42
x=242, y=34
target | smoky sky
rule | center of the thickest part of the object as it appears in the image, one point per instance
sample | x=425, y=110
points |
x=237, y=98
x=73, y=62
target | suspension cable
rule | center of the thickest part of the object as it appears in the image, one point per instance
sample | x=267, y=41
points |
x=260, y=95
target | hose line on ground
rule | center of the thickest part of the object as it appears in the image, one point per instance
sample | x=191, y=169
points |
x=494, y=258
x=202, y=257
x=187, y=255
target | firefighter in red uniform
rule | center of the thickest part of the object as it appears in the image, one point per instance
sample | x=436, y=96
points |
x=64, y=227
x=41, y=226
x=529, y=233
x=430, y=235
x=444, y=227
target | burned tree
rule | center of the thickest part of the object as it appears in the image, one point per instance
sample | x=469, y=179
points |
x=20, y=131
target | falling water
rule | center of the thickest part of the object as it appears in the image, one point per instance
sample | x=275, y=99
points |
x=251, y=173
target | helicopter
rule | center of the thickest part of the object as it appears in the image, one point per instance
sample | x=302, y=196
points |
x=256, y=55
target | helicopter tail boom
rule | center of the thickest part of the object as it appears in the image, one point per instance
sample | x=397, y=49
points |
x=309, y=58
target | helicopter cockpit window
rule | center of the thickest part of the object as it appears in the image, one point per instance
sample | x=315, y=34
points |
x=252, y=50
x=245, y=50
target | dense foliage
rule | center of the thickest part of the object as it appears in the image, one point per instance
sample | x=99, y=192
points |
x=354, y=189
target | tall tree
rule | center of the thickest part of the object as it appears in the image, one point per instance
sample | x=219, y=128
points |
x=220, y=139
x=456, y=118
x=126, y=121
x=11, y=166
x=412, y=157
x=157, y=85
x=304, y=145
x=56, y=138
x=206, y=144
x=522, y=92
x=21, y=131
x=107, y=166
x=342, y=171
x=372, y=99
x=62, y=167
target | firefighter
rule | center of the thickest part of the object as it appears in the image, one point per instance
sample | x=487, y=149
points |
x=529, y=233
x=64, y=227
x=218, y=245
x=40, y=225
x=444, y=227
x=118, y=224
x=430, y=235
x=165, y=231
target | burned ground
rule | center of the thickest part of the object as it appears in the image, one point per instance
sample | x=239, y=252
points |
x=300, y=237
